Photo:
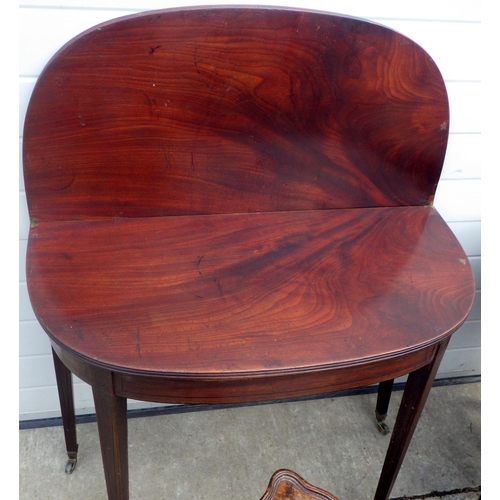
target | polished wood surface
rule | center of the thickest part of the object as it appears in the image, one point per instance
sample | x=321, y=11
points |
x=248, y=295
x=288, y=485
x=234, y=110
x=235, y=204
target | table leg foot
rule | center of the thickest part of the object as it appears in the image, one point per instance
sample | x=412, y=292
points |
x=414, y=397
x=65, y=389
x=70, y=465
x=111, y=412
x=383, y=400
x=382, y=427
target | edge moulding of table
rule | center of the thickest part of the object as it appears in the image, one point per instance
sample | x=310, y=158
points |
x=234, y=204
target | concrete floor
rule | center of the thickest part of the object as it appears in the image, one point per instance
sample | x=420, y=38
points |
x=230, y=454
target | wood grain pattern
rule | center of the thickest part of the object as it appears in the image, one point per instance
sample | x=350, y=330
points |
x=235, y=204
x=288, y=485
x=233, y=110
x=249, y=294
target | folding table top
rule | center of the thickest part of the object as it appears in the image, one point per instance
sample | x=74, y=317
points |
x=240, y=191
x=249, y=293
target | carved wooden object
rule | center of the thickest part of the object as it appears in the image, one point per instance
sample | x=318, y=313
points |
x=288, y=485
x=235, y=204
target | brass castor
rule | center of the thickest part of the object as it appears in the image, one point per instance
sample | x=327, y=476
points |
x=382, y=427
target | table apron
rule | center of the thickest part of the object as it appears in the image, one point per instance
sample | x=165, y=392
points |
x=246, y=388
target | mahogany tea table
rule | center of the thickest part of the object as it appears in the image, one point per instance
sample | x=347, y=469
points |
x=235, y=204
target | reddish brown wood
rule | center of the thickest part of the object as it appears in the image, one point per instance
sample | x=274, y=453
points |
x=233, y=110
x=111, y=413
x=247, y=295
x=415, y=394
x=65, y=389
x=382, y=406
x=234, y=204
x=288, y=485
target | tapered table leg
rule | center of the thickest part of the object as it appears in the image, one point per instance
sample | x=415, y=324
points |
x=383, y=400
x=66, y=400
x=111, y=412
x=415, y=394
